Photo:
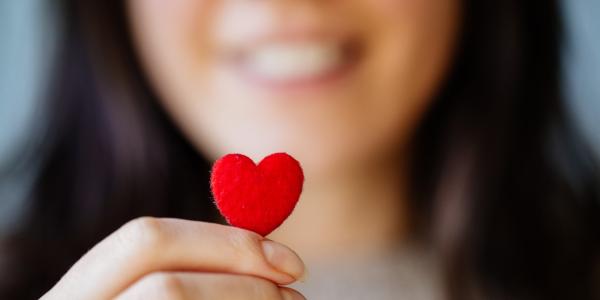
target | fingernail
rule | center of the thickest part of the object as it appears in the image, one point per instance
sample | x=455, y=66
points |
x=283, y=259
x=304, y=276
x=288, y=294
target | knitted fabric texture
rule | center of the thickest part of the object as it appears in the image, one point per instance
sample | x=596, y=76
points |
x=256, y=197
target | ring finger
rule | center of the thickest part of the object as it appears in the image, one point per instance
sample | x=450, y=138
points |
x=190, y=285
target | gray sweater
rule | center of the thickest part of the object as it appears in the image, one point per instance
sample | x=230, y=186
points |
x=407, y=273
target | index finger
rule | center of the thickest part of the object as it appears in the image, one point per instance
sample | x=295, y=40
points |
x=147, y=245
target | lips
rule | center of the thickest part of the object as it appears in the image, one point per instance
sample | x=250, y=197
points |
x=292, y=61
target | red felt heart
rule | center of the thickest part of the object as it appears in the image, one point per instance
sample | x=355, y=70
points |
x=257, y=198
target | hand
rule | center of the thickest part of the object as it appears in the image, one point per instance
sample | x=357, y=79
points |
x=150, y=258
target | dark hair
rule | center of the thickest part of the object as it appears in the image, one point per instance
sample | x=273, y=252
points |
x=504, y=184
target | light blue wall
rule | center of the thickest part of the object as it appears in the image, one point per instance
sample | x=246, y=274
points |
x=582, y=64
x=26, y=41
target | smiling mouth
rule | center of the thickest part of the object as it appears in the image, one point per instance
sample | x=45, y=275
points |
x=297, y=63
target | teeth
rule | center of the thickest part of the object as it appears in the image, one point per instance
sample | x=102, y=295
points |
x=292, y=61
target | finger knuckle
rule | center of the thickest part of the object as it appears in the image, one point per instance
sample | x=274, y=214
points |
x=264, y=289
x=165, y=285
x=246, y=247
x=246, y=287
x=144, y=234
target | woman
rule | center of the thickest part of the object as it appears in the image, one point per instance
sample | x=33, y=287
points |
x=436, y=126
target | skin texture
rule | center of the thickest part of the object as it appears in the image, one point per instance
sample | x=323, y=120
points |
x=348, y=133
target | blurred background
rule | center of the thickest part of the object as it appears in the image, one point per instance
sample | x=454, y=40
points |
x=27, y=40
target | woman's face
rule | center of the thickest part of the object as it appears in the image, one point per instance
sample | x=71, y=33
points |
x=336, y=83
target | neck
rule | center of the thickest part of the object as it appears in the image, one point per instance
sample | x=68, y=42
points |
x=357, y=212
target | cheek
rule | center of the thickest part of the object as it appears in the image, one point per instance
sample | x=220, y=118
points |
x=169, y=39
x=159, y=25
x=413, y=46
